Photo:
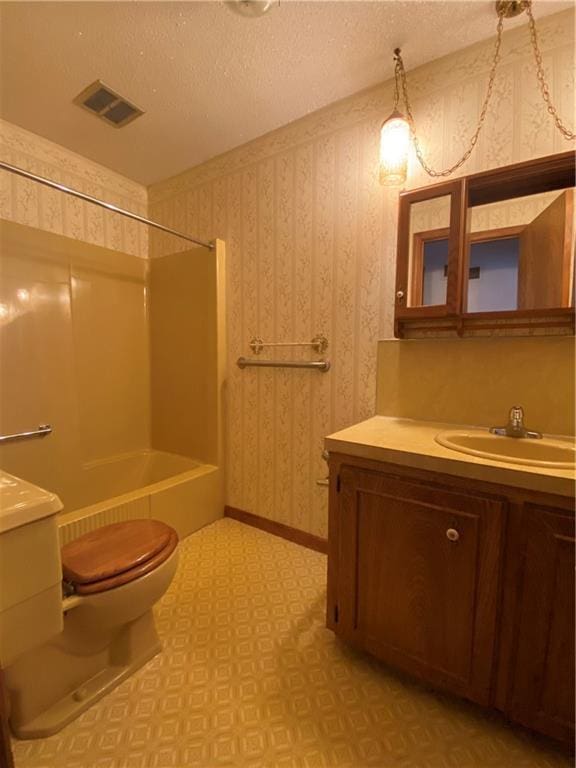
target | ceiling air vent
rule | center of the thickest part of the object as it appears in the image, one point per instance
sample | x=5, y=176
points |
x=105, y=103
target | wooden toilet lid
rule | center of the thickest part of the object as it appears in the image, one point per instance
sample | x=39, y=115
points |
x=131, y=575
x=115, y=549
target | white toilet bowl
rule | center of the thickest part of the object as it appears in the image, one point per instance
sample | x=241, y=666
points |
x=107, y=635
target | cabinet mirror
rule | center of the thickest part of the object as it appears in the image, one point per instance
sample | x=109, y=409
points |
x=428, y=263
x=427, y=274
x=498, y=244
x=519, y=253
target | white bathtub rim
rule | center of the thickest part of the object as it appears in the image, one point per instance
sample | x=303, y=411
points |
x=138, y=452
x=75, y=515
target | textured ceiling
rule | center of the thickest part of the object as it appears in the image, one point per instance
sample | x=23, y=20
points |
x=209, y=79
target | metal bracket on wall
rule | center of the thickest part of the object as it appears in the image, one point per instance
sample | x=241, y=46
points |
x=319, y=344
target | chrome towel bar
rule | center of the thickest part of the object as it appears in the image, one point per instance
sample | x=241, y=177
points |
x=42, y=431
x=319, y=344
x=318, y=365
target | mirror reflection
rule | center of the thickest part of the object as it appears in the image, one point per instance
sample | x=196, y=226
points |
x=429, y=230
x=520, y=253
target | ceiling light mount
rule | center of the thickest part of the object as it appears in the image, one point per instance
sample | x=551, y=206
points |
x=510, y=8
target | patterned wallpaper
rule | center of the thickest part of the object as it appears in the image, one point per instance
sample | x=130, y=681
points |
x=26, y=202
x=435, y=213
x=310, y=242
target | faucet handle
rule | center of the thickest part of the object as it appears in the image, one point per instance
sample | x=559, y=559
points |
x=516, y=415
x=515, y=426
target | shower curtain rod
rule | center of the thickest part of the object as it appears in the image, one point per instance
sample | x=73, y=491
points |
x=109, y=206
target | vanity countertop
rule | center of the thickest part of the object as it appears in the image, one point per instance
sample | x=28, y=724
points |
x=411, y=443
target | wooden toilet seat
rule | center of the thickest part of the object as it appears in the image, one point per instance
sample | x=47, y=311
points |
x=116, y=554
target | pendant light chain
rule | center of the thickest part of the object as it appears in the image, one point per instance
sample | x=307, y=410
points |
x=400, y=75
x=400, y=68
x=567, y=133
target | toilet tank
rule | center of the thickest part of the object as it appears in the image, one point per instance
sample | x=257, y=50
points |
x=30, y=567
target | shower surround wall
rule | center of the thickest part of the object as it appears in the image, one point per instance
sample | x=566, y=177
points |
x=311, y=240
x=81, y=347
x=188, y=352
x=74, y=353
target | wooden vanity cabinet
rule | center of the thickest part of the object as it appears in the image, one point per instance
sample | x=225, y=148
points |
x=541, y=694
x=418, y=576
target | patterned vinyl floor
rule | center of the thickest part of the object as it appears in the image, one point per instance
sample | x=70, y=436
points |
x=250, y=677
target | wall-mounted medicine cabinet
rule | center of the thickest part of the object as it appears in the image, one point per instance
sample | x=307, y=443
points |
x=489, y=250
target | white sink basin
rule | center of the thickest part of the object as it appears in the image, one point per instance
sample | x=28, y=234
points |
x=553, y=453
x=22, y=503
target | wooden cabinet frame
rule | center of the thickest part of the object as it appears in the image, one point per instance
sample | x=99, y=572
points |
x=455, y=190
x=536, y=176
x=419, y=240
x=525, y=609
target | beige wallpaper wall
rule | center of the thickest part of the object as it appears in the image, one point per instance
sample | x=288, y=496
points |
x=435, y=213
x=310, y=238
x=26, y=202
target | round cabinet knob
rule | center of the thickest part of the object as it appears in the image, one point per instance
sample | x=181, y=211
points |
x=399, y=295
x=452, y=534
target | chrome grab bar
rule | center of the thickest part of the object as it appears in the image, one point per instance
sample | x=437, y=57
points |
x=319, y=365
x=42, y=431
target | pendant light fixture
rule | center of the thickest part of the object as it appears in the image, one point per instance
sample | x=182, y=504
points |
x=394, y=139
x=397, y=130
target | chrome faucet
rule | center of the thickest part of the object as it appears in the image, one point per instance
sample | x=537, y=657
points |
x=515, y=426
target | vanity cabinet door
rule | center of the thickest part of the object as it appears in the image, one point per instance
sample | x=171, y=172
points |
x=430, y=241
x=542, y=694
x=418, y=577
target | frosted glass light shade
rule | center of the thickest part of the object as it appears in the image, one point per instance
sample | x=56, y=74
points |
x=394, y=145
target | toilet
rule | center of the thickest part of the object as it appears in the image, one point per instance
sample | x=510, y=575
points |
x=112, y=577
x=115, y=555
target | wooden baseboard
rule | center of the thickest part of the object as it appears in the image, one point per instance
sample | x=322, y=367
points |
x=278, y=529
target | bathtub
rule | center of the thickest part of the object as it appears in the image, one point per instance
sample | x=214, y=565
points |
x=145, y=484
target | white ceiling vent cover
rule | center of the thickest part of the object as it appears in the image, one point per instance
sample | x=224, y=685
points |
x=108, y=105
